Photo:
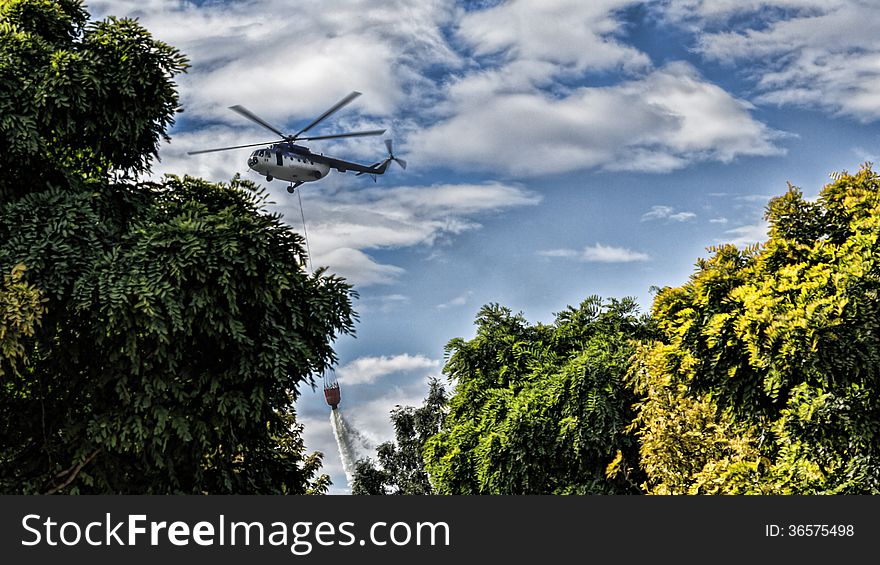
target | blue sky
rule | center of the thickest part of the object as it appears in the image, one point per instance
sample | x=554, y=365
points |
x=556, y=148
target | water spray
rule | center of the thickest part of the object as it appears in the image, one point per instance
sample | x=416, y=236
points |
x=348, y=440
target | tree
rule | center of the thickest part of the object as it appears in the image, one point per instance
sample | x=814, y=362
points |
x=769, y=358
x=401, y=465
x=369, y=479
x=79, y=99
x=21, y=308
x=541, y=409
x=179, y=325
x=177, y=321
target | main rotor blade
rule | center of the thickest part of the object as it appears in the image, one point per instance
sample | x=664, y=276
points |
x=326, y=114
x=351, y=134
x=228, y=148
x=257, y=119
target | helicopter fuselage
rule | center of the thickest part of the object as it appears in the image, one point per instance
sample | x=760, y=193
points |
x=293, y=163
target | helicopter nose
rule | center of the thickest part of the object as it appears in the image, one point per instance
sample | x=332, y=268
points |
x=253, y=160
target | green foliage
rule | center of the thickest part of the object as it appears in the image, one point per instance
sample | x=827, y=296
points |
x=161, y=332
x=540, y=409
x=78, y=99
x=770, y=358
x=401, y=465
x=180, y=323
x=369, y=479
x=21, y=307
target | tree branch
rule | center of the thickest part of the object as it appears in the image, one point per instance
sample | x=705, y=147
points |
x=73, y=472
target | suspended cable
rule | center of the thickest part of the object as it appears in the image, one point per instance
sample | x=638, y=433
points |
x=305, y=232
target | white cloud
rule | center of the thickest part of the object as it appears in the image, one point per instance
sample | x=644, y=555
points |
x=356, y=266
x=660, y=122
x=367, y=370
x=744, y=236
x=598, y=253
x=217, y=167
x=667, y=213
x=866, y=155
x=564, y=253
x=343, y=226
x=459, y=300
x=813, y=53
x=762, y=198
x=705, y=12
x=510, y=110
x=285, y=61
x=719, y=220
x=572, y=33
x=383, y=303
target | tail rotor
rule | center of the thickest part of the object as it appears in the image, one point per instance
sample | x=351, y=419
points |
x=391, y=156
x=380, y=167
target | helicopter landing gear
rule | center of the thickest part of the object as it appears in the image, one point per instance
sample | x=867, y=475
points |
x=269, y=178
x=291, y=187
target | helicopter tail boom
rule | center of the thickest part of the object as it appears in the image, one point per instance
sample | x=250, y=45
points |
x=380, y=167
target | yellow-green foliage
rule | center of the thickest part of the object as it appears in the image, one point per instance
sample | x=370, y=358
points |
x=21, y=306
x=688, y=445
x=766, y=376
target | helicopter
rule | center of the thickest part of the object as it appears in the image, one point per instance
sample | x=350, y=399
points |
x=296, y=164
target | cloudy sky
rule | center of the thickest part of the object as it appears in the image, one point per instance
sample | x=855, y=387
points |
x=556, y=148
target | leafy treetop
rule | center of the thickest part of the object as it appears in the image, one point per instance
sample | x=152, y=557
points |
x=540, y=409
x=400, y=465
x=78, y=98
x=775, y=352
x=154, y=335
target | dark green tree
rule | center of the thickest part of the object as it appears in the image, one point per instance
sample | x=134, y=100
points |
x=369, y=479
x=541, y=409
x=79, y=99
x=176, y=320
x=400, y=465
x=768, y=368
